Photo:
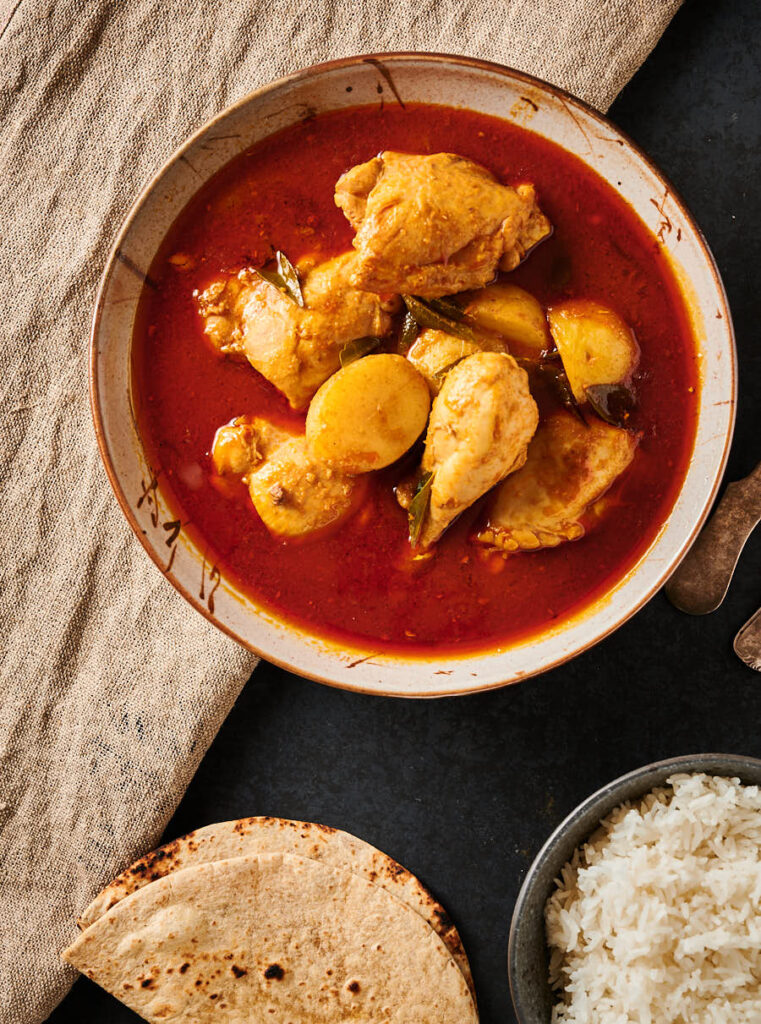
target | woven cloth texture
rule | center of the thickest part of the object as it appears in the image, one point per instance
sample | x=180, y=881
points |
x=112, y=688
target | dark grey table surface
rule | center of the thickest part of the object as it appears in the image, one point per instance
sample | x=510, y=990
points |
x=464, y=791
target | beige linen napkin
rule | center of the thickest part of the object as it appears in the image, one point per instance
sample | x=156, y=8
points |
x=111, y=687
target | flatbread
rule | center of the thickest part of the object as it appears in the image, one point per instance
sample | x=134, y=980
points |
x=272, y=938
x=279, y=835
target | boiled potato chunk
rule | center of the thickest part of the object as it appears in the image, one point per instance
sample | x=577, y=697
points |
x=368, y=414
x=513, y=313
x=434, y=352
x=595, y=344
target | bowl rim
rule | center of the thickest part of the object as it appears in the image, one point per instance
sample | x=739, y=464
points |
x=382, y=59
x=607, y=798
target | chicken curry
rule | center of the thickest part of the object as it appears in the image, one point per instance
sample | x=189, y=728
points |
x=417, y=379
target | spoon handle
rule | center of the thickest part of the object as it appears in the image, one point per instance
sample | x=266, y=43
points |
x=748, y=642
x=701, y=581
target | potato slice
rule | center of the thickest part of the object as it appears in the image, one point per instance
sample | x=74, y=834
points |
x=513, y=313
x=368, y=414
x=595, y=344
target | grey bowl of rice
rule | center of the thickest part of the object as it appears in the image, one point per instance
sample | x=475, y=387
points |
x=644, y=905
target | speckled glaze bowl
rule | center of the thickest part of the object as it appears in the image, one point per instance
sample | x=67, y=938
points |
x=399, y=78
x=528, y=957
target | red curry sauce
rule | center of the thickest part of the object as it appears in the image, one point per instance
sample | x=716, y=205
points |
x=358, y=585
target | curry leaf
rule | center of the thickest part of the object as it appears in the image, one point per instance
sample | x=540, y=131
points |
x=357, y=348
x=290, y=278
x=439, y=375
x=448, y=307
x=426, y=315
x=419, y=507
x=409, y=331
x=553, y=371
x=613, y=403
x=285, y=278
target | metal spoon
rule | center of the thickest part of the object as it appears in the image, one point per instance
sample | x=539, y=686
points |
x=700, y=583
x=748, y=642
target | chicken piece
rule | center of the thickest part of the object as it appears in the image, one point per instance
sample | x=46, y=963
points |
x=569, y=467
x=481, y=423
x=433, y=353
x=295, y=349
x=435, y=225
x=293, y=493
x=242, y=445
x=221, y=305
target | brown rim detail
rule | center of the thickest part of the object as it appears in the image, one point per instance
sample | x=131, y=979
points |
x=402, y=57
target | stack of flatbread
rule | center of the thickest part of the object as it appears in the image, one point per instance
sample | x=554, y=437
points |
x=277, y=921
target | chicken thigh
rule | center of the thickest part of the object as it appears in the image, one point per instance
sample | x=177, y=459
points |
x=435, y=225
x=295, y=348
x=481, y=423
x=569, y=467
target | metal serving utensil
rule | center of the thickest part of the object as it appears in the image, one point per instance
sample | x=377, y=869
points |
x=700, y=583
x=748, y=642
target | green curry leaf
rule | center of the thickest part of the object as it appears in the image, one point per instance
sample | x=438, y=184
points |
x=427, y=315
x=613, y=403
x=409, y=332
x=449, y=308
x=419, y=507
x=439, y=375
x=357, y=348
x=552, y=370
x=285, y=278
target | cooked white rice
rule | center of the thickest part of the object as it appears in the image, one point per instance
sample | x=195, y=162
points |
x=657, y=919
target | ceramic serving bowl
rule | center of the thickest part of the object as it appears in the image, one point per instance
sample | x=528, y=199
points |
x=399, y=78
x=528, y=957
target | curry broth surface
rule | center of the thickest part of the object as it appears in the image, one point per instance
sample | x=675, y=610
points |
x=358, y=584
